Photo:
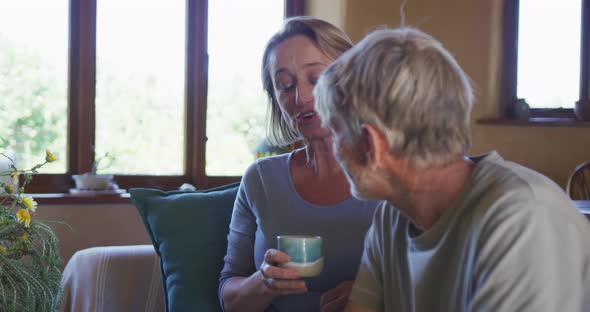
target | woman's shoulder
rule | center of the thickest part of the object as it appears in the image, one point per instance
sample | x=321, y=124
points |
x=269, y=163
x=267, y=168
x=266, y=177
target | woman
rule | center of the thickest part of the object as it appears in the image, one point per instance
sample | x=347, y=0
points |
x=304, y=192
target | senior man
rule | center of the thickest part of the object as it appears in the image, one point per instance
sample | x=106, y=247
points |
x=455, y=233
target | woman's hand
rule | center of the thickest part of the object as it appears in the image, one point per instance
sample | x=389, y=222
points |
x=280, y=281
x=256, y=292
x=336, y=299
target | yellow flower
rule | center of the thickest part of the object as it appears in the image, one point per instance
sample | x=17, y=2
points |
x=14, y=175
x=2, y=250
x=49, y=156
x=24, y=237
x=23, y=215
x=9, y=188
x=29, y=203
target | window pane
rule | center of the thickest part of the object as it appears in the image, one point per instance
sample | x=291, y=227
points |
x=140, y=86
x=236, y=106
x=33, y=81
x=549, y=52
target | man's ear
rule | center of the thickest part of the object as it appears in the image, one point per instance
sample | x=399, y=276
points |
x=374, y=145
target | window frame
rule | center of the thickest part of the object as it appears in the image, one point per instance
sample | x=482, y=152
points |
x=81, y=102
x=508, y=78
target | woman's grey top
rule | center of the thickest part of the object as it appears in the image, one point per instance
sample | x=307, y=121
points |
x=268, y=205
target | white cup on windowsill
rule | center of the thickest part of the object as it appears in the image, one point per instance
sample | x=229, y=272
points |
x=94, y=182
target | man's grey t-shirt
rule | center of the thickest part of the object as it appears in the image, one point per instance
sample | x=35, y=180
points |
x=512, y=241
x=268, y=205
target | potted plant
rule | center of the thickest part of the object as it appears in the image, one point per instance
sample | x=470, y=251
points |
x=91, y=181
x=30, y=266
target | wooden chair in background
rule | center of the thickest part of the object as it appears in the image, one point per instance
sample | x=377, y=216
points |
x=578, y=184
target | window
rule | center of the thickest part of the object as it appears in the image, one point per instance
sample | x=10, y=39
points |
x=169, y=91
x=139, y=93
x=236, y=105
x=33, y=80
x=546, y=58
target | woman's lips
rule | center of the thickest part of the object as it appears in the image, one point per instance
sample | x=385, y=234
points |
x=306, y=118
x=307, y=115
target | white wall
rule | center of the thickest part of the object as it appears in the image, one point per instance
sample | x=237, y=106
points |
x=93, y=225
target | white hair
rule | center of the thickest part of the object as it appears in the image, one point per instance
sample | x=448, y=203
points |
x=406, y=84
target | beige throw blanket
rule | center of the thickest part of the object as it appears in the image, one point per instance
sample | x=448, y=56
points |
x=114, y=278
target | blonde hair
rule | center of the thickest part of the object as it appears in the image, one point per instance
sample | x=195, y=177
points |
x=408, y=85
x=328, y=39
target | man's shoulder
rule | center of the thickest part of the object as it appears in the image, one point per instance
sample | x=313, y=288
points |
x=504, y=190
x=492, y=164
x=494, y=176
x=516, y=199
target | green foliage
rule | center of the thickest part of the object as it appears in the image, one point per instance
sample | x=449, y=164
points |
x=32, y=103
x=29, y=270
x=235, y=122
x=143, y=109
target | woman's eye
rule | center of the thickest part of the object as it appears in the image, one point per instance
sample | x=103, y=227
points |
x=285, y=86
x=284, y=81
x=313, y=78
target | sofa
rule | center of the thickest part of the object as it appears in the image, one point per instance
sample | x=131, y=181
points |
x=113, y=278
x=178, y=272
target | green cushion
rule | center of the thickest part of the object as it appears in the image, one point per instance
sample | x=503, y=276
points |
x=189, y=233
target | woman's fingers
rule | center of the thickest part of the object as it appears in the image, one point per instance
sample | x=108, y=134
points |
x=283, y=287
x=270, y=267
x=275, y=257
x=280, y=281
x=338, y=304
x=271, y=271
x=336, y=298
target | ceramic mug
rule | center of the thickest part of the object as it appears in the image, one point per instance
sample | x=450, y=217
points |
x=305, y=252
x=93, y=181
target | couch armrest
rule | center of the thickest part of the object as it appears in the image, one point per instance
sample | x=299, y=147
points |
x=113, y=278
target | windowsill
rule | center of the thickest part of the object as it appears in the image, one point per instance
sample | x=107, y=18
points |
x=535, y=122
x=70, y=199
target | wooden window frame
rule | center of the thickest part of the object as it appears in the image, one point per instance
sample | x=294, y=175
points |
x=81, y=98
x=508, y=92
